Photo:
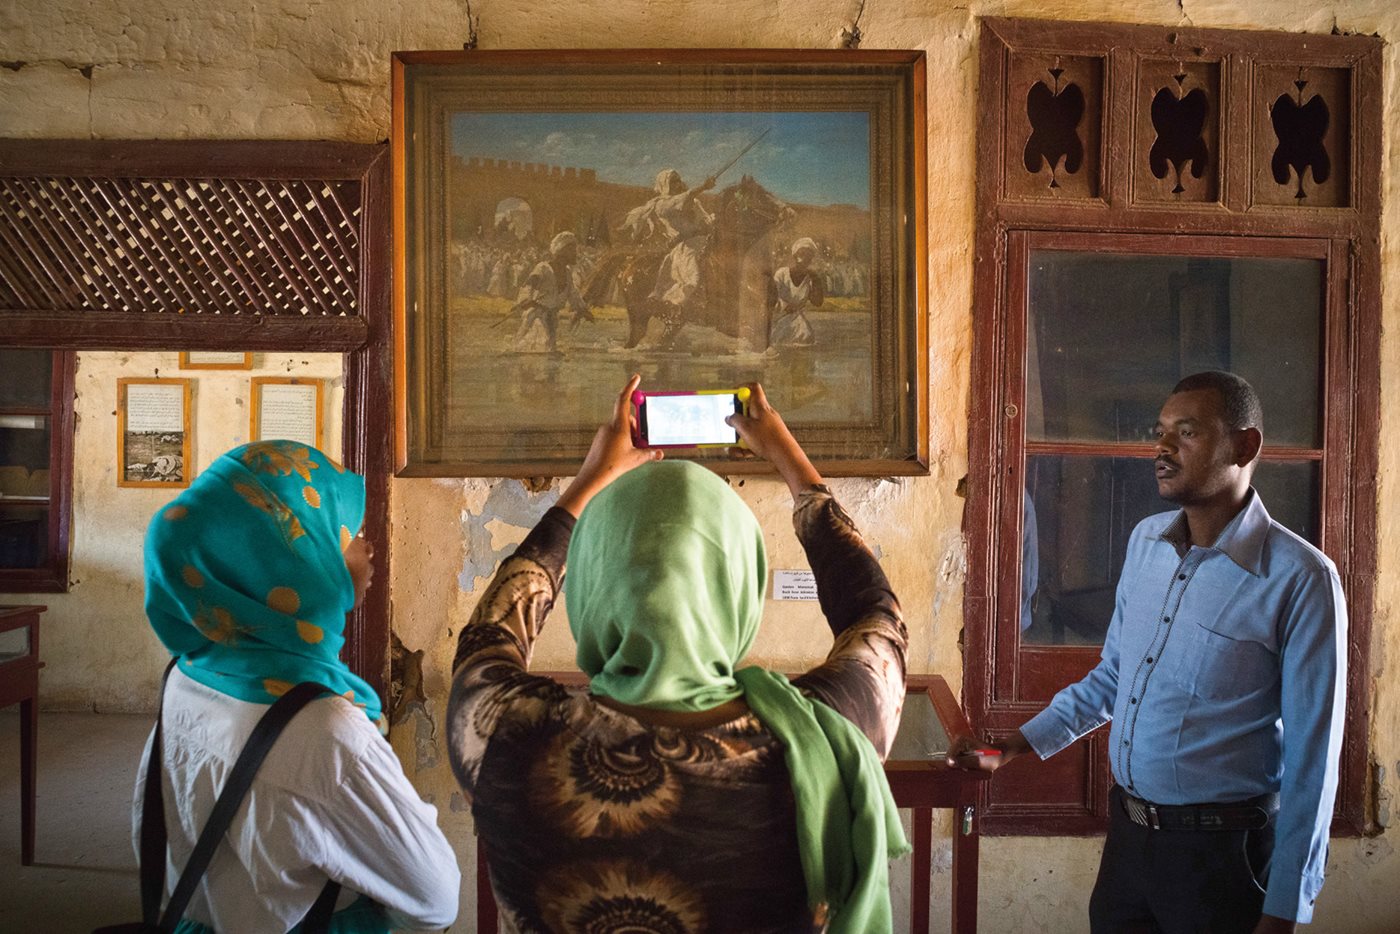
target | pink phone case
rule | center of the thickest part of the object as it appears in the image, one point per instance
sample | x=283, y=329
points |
x=639, y=398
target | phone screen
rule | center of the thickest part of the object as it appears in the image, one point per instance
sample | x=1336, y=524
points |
x=689, y=419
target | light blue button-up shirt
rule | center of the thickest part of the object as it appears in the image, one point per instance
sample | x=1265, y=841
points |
x=1224, y=673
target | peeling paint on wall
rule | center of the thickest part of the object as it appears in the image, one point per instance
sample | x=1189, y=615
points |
x=952, y=569
x=1376, y=850
x=509, y=503
x=1384, y=796
x=405, y=681
x=424, y=740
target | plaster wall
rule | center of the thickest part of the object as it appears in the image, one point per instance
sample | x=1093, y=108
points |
x=98, y=649
x=157, y=68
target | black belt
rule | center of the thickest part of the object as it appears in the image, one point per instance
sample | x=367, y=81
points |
x=1251, y=814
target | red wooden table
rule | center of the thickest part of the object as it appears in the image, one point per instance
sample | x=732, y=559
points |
x=919, y=780
x=19, y=683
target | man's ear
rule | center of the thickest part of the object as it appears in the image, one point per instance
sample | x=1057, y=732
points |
x=1248, y=441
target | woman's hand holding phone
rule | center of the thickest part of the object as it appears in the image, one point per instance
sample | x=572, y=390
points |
x=765, y=434
x=614, y=451
x=610, y=456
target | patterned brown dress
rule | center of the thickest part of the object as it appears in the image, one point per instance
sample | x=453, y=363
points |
x=594, y=821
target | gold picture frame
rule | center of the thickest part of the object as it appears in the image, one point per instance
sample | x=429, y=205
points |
x=547, y=245
x=154, y=441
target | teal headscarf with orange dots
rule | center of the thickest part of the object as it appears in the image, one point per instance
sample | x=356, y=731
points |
x=245, y=573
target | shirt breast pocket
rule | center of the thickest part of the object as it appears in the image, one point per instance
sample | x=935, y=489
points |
x=1218, y=667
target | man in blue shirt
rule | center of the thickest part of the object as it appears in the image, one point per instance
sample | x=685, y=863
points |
x=1224, y=674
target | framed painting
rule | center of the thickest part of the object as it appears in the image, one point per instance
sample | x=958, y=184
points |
x=153, y=433
x=563, y=219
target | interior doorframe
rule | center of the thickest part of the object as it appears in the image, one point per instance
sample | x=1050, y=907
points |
x=365, y=339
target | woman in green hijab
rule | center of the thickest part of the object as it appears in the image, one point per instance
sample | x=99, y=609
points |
x=684, y=791
x=249, y=575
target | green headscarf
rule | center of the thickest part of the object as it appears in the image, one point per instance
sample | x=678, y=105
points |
x=245, y=573
x=666, y=580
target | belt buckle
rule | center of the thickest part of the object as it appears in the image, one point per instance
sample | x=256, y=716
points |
x=1152, y=820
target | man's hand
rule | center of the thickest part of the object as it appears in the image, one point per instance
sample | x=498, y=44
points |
x=1269, y=924
x=766, y=435
x=968, y=753
x=611, y=455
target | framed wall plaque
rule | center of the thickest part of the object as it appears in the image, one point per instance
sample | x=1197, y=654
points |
x=288, y=408
x=215, y=360
x=153, y=433
x=704, y=218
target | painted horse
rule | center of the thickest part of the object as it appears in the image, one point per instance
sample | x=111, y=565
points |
x=735, y=271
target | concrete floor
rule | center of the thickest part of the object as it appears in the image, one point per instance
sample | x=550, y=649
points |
x=84, y=871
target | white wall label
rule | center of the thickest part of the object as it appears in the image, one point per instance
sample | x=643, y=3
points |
x=794, y=585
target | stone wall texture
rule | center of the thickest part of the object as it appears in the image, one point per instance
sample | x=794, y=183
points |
x=320, y=70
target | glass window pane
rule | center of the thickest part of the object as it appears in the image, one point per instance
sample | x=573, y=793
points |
x=25, y=378
x=24, y=535
x=1290, y=491
x=1085, y=509
x=24, y=452
x=1080, y=511
x=1109, y=334
x=14, y=643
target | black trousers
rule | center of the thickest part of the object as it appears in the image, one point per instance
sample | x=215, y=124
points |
x=1179, y=881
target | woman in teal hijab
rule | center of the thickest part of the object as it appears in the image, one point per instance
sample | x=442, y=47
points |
x=666, y=580
x=250, y=573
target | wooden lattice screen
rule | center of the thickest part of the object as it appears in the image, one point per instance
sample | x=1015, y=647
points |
x=268, y=238
x=225, y=246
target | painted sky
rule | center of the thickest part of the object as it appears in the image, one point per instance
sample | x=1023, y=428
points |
x=808, y=158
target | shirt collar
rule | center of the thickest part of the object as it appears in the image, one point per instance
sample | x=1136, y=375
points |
x=1242, y=539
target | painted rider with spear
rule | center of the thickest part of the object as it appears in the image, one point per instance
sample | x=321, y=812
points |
x=676, y=213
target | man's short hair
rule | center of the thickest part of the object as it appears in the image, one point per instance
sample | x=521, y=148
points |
x=1239, y=401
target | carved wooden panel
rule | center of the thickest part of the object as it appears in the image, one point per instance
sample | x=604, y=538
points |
x=1060, y=793
x=1054, y=126
x=1176, y=145
x=1302, y=136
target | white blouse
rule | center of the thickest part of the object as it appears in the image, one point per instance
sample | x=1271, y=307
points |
x=330, y=800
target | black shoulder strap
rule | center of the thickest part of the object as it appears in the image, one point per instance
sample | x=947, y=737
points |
x=235, y=788
x=318, y=919
x=153, y=819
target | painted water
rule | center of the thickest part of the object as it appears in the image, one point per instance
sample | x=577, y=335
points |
x=500, y=380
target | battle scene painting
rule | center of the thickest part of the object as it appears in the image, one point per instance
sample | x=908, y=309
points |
x=593, y=244
x=701, y=248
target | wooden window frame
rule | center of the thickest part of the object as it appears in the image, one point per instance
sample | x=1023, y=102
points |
x=1005, y=682
x=52, y=575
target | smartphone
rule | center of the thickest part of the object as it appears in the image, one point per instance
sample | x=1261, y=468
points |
x=692, y=419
